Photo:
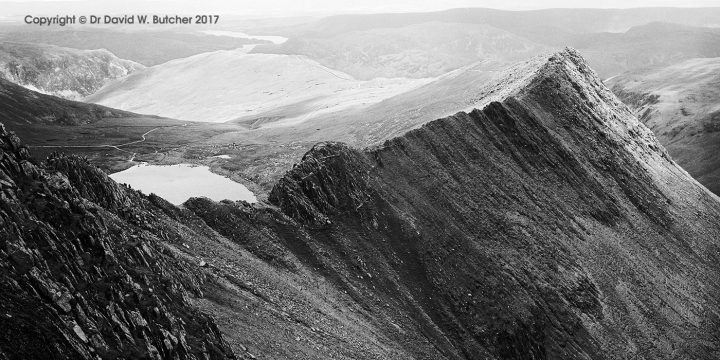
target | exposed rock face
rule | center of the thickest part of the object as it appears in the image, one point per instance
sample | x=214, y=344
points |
x=68, y=73
x=83, y=271
x=549, y=225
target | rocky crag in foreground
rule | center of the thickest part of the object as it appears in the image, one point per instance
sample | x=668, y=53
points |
x=550, y=225
x=84, y=272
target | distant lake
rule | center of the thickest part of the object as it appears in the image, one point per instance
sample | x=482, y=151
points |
x=177, y=183
x=237, y=34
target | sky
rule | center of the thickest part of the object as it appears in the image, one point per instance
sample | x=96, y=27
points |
x=311, y=7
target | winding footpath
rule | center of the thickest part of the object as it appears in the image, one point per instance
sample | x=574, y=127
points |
x=143, y=138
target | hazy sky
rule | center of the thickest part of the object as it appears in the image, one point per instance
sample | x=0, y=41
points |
x=315, y=7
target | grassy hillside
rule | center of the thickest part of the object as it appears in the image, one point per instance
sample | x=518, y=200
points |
x=681, y=104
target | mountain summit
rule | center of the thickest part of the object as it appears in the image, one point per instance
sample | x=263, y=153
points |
x=547, y=225
x=551, y=224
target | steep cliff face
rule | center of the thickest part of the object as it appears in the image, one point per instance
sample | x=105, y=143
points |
x=68, y=73
x=549, y=225
x=84, y=272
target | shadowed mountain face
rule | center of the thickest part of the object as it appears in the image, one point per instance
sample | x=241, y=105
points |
x=68, y=73
x=680, y=103
x=548, y=225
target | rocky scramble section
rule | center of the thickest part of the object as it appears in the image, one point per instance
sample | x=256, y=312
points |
x=84, y=272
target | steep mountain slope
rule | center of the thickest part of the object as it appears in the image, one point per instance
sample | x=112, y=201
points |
x=91, y=269
x=681, y=104
x=550, y=225
x=612, y=40
x=68, y=73
x=419, y=50
x=193, y=89
x=84, y=272
x=145, y=47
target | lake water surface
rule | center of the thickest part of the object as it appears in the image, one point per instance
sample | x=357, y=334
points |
x=273, y=39
x=177, y=183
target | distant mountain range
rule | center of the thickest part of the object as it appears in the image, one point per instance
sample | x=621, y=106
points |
x=426, y=49
x=539, y=25
x=145, y=47
x=430, y=44
x=647, y=46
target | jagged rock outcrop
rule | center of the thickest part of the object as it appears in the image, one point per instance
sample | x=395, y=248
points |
x=68, y=73
x=84, y=272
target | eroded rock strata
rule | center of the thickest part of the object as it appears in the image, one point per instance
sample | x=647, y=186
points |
x=84, y=271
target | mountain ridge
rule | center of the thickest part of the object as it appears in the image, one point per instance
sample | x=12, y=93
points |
x=548, y=225
x=615, y=189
